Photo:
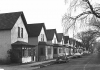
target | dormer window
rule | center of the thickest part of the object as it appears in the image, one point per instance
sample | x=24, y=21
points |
x=20, y=32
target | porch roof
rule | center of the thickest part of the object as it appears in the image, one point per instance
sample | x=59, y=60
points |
x=21, y=43
x=45, y=43
x=57, y=45
x=69, y=47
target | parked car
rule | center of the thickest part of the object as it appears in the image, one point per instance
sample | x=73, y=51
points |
x=61, y=59
x=77, y=55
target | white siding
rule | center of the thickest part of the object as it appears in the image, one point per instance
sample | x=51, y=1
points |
x=42, y=32
x=49, y=56
x=62, y=42
x=54, y=38
x=62, y=51
x=5, y=44
x=26, y=59
x=14, y=31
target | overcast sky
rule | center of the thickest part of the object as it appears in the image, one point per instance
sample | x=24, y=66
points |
x=49, y=12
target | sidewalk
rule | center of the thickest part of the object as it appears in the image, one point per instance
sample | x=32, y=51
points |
x=30, y=66
x=38, y=63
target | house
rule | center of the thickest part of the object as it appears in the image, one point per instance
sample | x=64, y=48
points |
x=67, y=45
x=79, y=47
x=53, y=40
x=14, y=38
x=73, y=44
x=61, y=49
x=37, y=36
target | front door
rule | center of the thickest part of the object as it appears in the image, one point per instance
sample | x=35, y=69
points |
x=33, y=56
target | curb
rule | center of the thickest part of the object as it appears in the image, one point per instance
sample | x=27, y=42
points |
x=43, y=65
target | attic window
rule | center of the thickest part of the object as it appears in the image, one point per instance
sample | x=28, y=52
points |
x=20, y=32
x=55, y=40
x=42, y=37
x=62, y=42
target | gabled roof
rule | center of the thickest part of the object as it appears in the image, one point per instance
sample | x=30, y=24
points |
x=50, y=34
x=66, y=38
x=35, y=29
x=60, y=36
x=7, y=20
x=71, y=40
x=78, y=43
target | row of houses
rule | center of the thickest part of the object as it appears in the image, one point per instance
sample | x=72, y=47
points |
x=22, y=42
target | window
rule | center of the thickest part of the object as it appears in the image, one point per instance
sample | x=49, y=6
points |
x=21, y=32
x=49, y=50
x=29, y=52
x=23, y=52
x=60, y=50
x=55, y=50
x=42, y=37
x=41, y=51
x=55, y=40
x=62, y=42
x=18, y=32
x=26, y=52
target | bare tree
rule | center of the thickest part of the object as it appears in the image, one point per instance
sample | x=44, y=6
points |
x=69, y=20
x=88, y=38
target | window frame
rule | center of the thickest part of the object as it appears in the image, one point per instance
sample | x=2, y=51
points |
x=18, y=32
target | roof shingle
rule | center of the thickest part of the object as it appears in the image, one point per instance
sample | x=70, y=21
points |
x=60, y=36
x=50, y=33
x=7, y=20
x=34, y=29
x=66, y=38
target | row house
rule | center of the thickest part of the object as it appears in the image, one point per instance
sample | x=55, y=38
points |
x=21, y=42
x=14, y=44
x=38, y=37
x=52, y=39
x=62, y=49
x=72, y=45
x=67, y=45
x=75, y=46
x=79, y=47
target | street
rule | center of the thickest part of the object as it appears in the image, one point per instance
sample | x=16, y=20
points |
x=91, y=62
x=88, y=62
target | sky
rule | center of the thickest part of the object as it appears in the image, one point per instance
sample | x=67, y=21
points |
x=49, y=12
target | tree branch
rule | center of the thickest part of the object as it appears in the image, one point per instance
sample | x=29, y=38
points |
x=87, y=12
x=91, y=8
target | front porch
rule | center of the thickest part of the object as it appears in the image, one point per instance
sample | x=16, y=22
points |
x=22, y=52
x=45, y=51
x=56, y=50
